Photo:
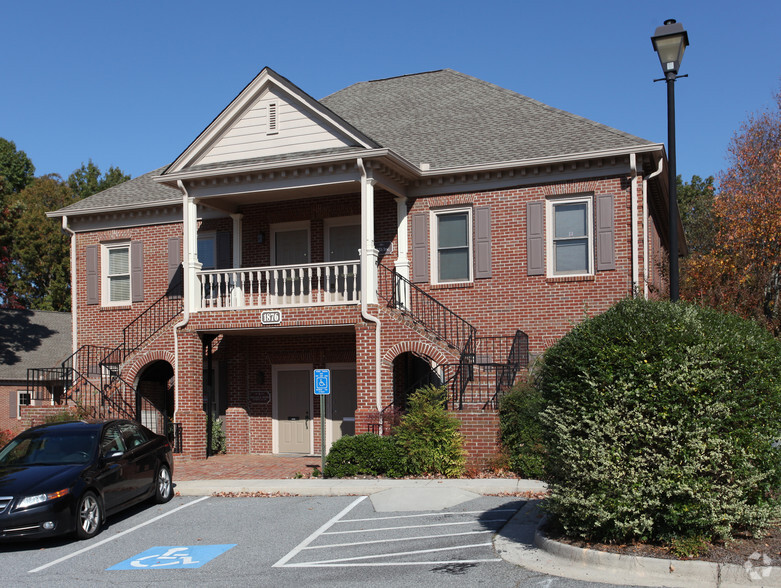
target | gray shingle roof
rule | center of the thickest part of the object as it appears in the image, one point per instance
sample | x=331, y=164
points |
x=138, y=191
x=449, y=119
x=32, y=338
x=444, y=118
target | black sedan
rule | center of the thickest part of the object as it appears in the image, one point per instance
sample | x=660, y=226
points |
x=68, y=477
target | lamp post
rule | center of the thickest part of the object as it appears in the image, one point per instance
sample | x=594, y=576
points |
x=669, y=42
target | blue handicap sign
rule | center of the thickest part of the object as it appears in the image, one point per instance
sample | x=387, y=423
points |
x=322, y=382
x=173, y=557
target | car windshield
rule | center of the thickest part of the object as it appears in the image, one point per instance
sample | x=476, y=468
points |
x=50, y=447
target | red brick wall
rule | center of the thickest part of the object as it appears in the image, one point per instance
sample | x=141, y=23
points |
x=544, y=308
x=7, y=403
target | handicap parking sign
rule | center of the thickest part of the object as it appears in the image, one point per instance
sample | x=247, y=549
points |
x=322, y=382
x=172, y=557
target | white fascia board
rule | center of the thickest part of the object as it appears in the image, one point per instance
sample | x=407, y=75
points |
x=108, y=209
x=541, y=160
x=171, y=178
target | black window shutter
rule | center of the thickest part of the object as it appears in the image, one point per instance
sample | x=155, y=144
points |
x=483, y=242
x=175, y=271
x=137, y=271
x=535, y=239
x=224, y=258
x=13, y=399
x=606, y=258
x=420, y=247
x=91, y=262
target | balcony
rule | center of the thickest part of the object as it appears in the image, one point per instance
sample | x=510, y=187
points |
x=314, y=284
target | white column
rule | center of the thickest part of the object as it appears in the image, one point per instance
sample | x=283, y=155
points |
x=191, y=263
x=368, y=251
x=237, y=288
x=402, y=239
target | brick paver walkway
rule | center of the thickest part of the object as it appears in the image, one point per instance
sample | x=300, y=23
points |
x=244, y=467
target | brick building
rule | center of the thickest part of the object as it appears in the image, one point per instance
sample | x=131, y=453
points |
x=424, y=228
x=29, y=339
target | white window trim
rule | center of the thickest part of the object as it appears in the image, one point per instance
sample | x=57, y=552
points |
x=434, y=233
x=104, y=277
x=340, y=221
x=19, y=402
x=204, y=236
x=549, y=204
x=290, y=226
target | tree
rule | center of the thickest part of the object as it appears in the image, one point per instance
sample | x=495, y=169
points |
x=742, y=271
x=695, y=205
x=16, y=172
x=88, y=180
x=16, y=169
x=40, y=260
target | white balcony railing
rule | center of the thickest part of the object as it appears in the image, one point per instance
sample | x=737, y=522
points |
x=313, y=284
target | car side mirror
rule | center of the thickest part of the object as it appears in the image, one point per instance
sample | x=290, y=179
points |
x=112, y=455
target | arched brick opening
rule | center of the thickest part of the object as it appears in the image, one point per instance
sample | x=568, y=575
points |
x=154, y=402
x=413, y=366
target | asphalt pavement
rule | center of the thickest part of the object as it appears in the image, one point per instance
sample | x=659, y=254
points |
x=520, y=541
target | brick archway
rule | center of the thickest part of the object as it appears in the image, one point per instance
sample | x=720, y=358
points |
x=138, y=365
x=420, y=348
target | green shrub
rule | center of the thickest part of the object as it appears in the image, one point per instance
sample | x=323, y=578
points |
x=429, y=436
x=219, y=445
x=660, y=424
x=367, y=455
x=520, y=430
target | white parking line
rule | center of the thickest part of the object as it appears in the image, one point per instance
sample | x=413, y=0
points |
x=426, y=514
x=118, y=535
x=344, y=560
x=413, y=526
x=416, y=538
x=317, y=533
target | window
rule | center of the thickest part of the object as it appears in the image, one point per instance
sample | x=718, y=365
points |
x=452, y=246
x=116, y=261
x=207, y=250
x=570, y=236
x=23, y=399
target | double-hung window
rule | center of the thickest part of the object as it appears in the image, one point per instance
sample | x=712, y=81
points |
x=570, y=236
x=207, y=250
x=23, y=398
x=452, y=255
x=116, y=259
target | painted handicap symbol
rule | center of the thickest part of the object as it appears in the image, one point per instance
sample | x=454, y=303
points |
x=172, y=557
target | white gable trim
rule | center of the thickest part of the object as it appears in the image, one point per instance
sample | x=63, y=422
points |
x=265, y=83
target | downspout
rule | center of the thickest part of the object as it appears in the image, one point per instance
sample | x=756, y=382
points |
x=645, y=224
x=186, y=285
x=74, y=300
x=364, y=294
x=634, y=248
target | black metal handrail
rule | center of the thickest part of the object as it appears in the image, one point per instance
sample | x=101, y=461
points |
x=148, y=323
x=399, y=293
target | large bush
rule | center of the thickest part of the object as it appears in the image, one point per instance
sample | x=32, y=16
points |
x=520, y=430
x=660, y=424
x=429, y=436
x=367, y=454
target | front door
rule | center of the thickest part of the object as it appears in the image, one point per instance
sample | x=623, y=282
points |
x=293, y=392
x=342, y=402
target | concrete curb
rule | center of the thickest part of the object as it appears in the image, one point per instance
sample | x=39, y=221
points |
x=349, y=487
x=521, y=543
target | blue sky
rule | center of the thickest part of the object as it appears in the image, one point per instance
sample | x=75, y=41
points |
x=131, y=84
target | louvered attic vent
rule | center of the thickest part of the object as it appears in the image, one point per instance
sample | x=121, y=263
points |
x=272, y=118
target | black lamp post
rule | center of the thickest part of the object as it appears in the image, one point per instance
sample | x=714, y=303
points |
x=669, y=41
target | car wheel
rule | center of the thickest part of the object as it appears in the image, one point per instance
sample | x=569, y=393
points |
x=163, y=485
x=89, y=516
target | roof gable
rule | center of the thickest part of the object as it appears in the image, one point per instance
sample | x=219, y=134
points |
x=271, y=117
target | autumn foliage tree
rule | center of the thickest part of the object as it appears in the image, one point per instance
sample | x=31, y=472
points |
x=742, y=271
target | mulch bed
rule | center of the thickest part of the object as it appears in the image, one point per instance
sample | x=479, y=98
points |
x=737, y=551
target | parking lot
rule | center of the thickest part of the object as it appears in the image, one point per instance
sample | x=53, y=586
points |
x=284, y=541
